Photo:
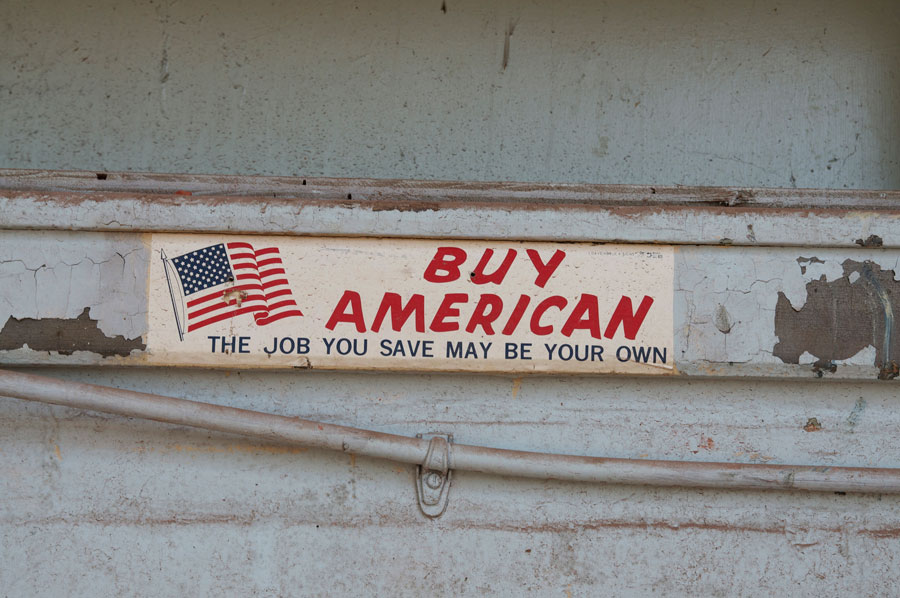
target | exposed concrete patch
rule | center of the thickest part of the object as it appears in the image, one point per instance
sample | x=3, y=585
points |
x=842, y=318
x=65, y=336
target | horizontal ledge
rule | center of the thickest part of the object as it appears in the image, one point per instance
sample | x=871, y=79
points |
x=697, y=369
x=277, y=428
x=118, y=202
x=402, y=189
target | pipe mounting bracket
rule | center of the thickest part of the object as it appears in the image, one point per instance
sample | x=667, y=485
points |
x=433, y=476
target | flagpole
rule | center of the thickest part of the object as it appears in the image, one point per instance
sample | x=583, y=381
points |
x=165, y=260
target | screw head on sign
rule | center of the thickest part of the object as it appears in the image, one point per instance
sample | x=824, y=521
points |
x=434, y=480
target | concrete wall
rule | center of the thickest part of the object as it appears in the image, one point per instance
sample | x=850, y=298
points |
x=780, y=94
x=805, y=94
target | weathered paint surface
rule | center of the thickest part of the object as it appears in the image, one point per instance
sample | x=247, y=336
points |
x=759, y=312
x=842, y=318
x=348, y=207
x=754, y=312
x=123, y=500
x=49, y=279
x=662, y=94
x=799, y=94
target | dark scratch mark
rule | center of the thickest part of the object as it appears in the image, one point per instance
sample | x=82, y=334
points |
x=509, y=31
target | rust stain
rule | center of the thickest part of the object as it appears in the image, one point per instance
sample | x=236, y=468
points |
x=706, y=443
x=754, y=456
x=516, y=387
x=615, y=524
x=892, y=532
x=58, y=453
x=352, y=460
x=65, y=336
x=841, y=318
x=802, y=545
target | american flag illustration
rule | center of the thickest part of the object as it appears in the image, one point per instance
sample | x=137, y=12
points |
x=226, y=280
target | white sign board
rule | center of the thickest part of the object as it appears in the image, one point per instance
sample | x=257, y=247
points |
x=399, y=304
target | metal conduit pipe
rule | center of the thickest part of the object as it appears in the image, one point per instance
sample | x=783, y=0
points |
x=278, y=428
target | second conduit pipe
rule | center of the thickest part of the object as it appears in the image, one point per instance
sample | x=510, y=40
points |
x=296, y=431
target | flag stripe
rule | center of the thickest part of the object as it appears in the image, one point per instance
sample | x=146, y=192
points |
x=225, y=316
x=233, y=303
x=282, y=315
x=278, y=293
x=275, y=306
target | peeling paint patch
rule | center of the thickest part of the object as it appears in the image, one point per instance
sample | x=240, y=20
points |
x=841, y=318
x=856, y=413
x=812, y=425
x=723, y=320
x=65, y=336
x=870, y=241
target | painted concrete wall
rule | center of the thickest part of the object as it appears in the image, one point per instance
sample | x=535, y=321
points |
x=803, y=94
x=96, y=504
x=748, y=94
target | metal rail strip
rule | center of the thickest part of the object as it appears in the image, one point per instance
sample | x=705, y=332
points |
x=438, y=457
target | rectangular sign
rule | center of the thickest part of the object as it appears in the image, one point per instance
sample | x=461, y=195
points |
x=401, y=304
